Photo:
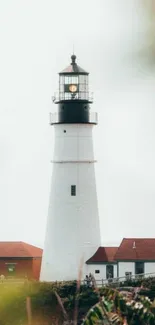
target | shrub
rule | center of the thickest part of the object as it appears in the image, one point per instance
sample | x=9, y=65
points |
x=48, y=301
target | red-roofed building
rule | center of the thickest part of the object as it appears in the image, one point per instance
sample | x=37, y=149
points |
x=19, y=259
x=136, y=256
x=141, y=249
x=102, y=264
x=106, y=254
x=133, y=256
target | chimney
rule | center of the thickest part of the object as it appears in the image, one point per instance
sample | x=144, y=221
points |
x=134, y=245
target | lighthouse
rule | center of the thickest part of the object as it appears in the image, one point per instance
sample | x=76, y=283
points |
x=73, y=230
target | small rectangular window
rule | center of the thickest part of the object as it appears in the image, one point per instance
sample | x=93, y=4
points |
x=73, y=190
x=11, y=268
x=97, y=271
x=74, y=80
x=66, y=80
x=128, y=275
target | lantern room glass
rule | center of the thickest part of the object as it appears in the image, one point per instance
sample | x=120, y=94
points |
x=81, y=81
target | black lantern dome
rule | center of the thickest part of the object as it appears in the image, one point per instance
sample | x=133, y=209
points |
x=73, y=98
x=73, y=67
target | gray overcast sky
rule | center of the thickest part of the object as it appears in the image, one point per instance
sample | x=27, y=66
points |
x=36, y=41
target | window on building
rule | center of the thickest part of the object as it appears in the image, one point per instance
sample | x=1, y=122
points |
x=109, y=271
x=11, y=268
x=97, y=271
x=139, y=268
x=73, y=190
x=128, y=275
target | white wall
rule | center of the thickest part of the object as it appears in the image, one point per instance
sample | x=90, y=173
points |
x=149, y=267
x=125, y=267
x=73, y=230
x=102, y=267
x=122, y=268
x=74, y=145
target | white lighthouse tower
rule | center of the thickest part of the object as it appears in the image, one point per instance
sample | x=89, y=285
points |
x=73, y=230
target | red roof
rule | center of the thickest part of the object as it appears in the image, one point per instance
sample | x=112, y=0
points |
x=103, y=254
x=19, y=249
x=136, y=249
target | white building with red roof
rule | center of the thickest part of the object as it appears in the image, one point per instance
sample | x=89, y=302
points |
x=133, y=257
x=136, y=256
x=102, y=263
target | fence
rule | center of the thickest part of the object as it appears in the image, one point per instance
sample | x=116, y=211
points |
x=99, y=283
x=120, y=280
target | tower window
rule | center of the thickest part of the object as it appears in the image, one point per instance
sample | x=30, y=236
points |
x=73, y=190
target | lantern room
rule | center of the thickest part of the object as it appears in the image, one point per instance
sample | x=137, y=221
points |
x=73, y=82
x=73, y=98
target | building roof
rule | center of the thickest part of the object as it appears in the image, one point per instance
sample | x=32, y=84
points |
x=136, y=249
x=103, y=254
x=73, y=68
x=19, y=249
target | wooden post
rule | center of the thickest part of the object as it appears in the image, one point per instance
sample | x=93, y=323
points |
x=28, y=309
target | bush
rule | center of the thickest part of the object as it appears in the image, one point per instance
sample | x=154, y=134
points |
x=146, y=282
x=43, y=301
x=45, y=305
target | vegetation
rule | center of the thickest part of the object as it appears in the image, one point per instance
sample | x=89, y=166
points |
x=57, y=303
x=146, y=282
x=114, y=308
